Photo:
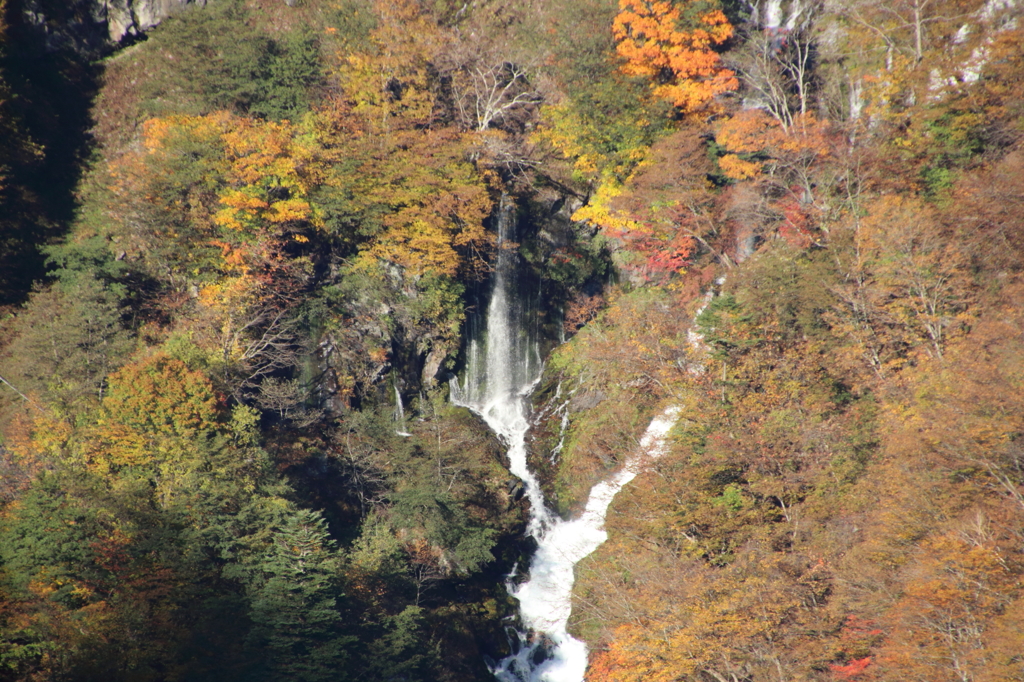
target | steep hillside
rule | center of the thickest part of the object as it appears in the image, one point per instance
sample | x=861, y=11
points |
x=842, y=499
x=269, y=231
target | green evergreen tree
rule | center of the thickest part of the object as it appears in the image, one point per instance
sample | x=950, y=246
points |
x=402, y=650
x=67, y=340
x=214, y=58
x=294, y=604
x=445, y=523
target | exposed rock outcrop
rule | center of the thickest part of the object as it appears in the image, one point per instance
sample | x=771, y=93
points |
x=92, y=27
x=127, y=18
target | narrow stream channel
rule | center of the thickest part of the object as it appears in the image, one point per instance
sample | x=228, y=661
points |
x=502, y=371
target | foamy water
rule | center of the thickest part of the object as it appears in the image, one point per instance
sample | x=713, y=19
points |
x=545, y=599
x=503, y=368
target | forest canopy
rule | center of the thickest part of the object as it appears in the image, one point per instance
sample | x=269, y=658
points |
x=241, y=258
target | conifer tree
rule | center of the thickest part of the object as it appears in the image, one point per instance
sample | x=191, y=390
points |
x=294, y=604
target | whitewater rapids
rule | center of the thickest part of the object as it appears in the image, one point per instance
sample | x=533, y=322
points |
x=503, y=367
x=545, y=599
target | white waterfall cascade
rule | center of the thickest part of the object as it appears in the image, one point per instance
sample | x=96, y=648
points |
x=499, y=378
x=545, y=599
x=400, y=414
x=502, y=374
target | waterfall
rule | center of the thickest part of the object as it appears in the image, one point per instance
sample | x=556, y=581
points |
x=545, y=599
x=502, y=368
x=400, y=414
x=501, y=375
x=773, y=14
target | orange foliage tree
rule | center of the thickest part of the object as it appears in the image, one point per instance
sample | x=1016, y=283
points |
x=671, y=43
x=726, y=627
x=161, y=396
x=786, y=162
x=758, y=143
x=907, y=294
x=942, y=620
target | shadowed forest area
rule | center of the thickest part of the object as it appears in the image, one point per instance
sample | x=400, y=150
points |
x=238, y=261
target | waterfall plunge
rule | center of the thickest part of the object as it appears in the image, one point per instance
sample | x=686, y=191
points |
x=501, y=375
x=499, y=378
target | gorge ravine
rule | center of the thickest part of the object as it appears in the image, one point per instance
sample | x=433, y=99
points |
x=502, y=370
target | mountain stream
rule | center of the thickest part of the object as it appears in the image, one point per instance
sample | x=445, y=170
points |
x=502, y=370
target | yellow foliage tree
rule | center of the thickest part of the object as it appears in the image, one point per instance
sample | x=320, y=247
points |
x=393, y=80
x=159, y=417
x=266, y=170
x=220, y=182
x=271, y=172
x=437, y=203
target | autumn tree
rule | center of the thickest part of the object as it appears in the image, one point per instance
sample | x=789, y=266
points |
x=791, y=173
x=429, y=221
x=161, y=423
x=391, y=81
x=904, y=293
x=791, y=156
x=605, y=130
x=661, y=218
x=726, y=628
x=163, y=397
x=217, y=209
x=906, y=26
x=223, y=189
x=672, y=45
x=432, y=214
x=941, y=621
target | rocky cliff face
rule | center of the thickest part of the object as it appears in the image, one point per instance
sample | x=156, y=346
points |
x=125, y=18
x=92, y=27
